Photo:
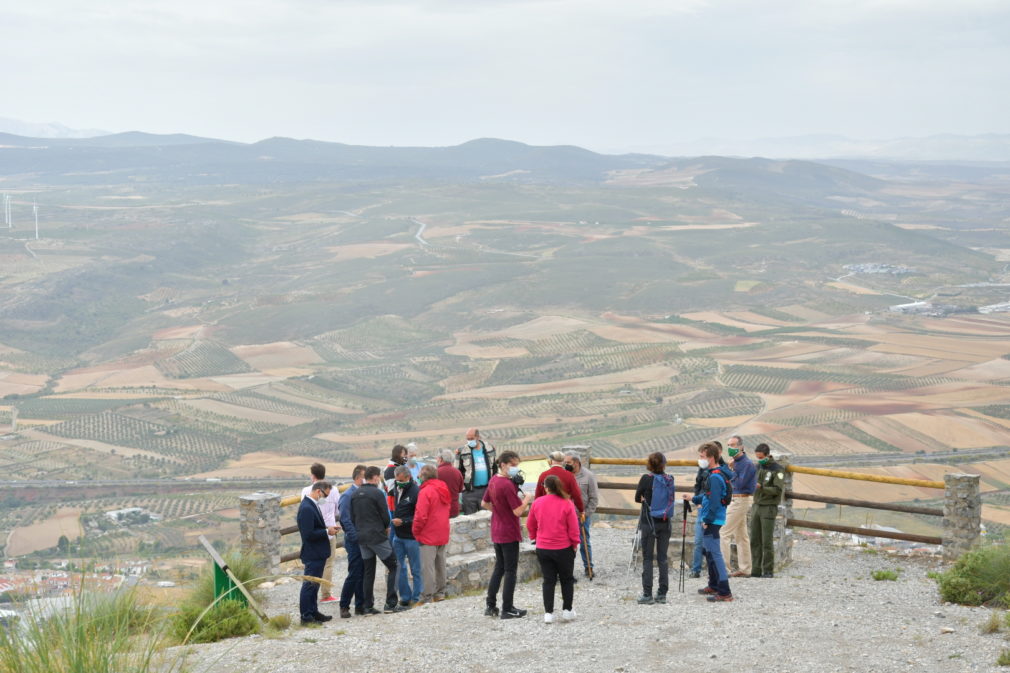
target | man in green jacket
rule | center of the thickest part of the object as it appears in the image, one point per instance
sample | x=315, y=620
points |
x=770, y=486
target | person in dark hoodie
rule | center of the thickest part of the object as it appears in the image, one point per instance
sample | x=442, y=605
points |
x=370, y=517
x=713, y=516
x=431, y=530
x=406, y=548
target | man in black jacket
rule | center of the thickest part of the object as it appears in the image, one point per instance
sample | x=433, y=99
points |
x=315, y=550
x=370, y=515
x=405, y=547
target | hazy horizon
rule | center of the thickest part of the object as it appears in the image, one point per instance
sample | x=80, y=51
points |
x=645, y=75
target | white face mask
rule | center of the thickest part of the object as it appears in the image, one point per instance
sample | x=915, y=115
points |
x=321, y=501
x=703, y=463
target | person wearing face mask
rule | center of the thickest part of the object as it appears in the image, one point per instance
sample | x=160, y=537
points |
x=405, y=546
x=502, y=498
x=413, y=461
x=556, y=461
x=591, y=498
x=453, y=479
x=713, y=516
x=398, y=456
x=431, y=529
x=770, y=486
x=476, y=461
x=328, y=508
x=314, y=552
x=738, y=512
x=699, y=481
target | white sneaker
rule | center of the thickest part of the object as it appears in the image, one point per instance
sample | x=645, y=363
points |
x=548, y=618
x=567, y=615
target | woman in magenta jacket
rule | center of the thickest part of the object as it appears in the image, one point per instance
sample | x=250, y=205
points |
x=554, y=526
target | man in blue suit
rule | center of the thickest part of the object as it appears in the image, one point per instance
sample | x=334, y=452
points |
x=315, y=550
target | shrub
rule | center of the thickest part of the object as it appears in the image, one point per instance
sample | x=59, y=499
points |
x=993, y=624
x=888, y=575
x=1004, y=658
x=979, y=577
x=227, y=618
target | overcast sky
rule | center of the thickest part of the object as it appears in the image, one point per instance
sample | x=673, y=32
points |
x=604, y=74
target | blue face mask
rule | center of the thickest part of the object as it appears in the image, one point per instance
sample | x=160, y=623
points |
x=513, y=470
x=472, y=443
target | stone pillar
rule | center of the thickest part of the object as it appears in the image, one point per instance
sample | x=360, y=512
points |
x=260, y=528
x=784, y=534
x=962, y=514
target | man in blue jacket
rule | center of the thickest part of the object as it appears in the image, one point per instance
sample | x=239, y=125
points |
x=712, y=517
x=354, y=583
x=315, y=550
x=738, y=513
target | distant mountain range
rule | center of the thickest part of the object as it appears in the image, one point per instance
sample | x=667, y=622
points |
x=45, y=130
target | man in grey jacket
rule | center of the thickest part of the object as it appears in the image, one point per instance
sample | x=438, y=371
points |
x=590, y=497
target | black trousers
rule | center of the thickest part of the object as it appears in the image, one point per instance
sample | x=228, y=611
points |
x=506, y=565
x=655, y=544
x=557, y=564
x=391, y=568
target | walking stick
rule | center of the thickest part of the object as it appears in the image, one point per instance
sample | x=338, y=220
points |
x=589, y=550
x=683, y=546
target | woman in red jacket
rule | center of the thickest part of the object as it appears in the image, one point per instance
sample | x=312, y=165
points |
x=554, y=525
x=431, y=529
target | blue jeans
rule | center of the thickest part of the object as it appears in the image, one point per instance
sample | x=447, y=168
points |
x=718, y=578
x=586, y=548
x=411, y=549
x=354, y=583
x=696, y=559
x=308, y=599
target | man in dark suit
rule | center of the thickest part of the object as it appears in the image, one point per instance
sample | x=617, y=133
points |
x=315, y=550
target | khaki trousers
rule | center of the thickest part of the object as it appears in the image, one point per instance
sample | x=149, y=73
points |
x=736, y=527
x=326, y=589
x=432, y=572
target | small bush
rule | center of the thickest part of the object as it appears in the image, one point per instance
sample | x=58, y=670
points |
x=979, y=577
x=1004, y=658
x=992, y=625
x=227, y=619
x=888, y=575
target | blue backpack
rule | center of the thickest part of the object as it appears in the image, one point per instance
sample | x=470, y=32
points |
x=661, y=506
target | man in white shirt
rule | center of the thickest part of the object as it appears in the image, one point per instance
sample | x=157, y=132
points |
x=329, y=511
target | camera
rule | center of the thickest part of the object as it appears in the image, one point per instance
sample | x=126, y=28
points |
x=518, y=479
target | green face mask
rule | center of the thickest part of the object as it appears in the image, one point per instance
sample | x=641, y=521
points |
x=763, y=461
x=402, y=484
x=733, y=452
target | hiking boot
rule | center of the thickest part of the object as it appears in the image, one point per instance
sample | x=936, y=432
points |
x=491, y=611
x=720, y=599
x=739, y=573
x=311, y=622
x=401, y=607
x=320, y=617
x=548, y=618
x=368, y=612
x=567, y=615
x=758, y=575
x=514, y=613
x=358, y=610
x=695, y=574
x=438, y=599
x=661, y=599
x=769, y=575
x=706, y=591
x=646, y=600
x=345, y=613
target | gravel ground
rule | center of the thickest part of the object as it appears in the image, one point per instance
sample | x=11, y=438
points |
x=822, y=614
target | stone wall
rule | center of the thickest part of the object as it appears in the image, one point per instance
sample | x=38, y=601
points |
x=470, y=555
x=783, y=534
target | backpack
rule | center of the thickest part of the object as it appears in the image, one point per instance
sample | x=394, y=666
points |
x=661, y=505
x=727, y=496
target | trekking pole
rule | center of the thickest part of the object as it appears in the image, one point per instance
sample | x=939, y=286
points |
x=589, y=550
x=683, y=546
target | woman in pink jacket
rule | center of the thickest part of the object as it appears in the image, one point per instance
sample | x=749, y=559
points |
x=554, y=525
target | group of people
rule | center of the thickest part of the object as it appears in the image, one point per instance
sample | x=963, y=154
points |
x=724, y=491
x=400, y=517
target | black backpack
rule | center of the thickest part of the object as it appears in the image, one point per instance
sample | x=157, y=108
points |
x=727, y=497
